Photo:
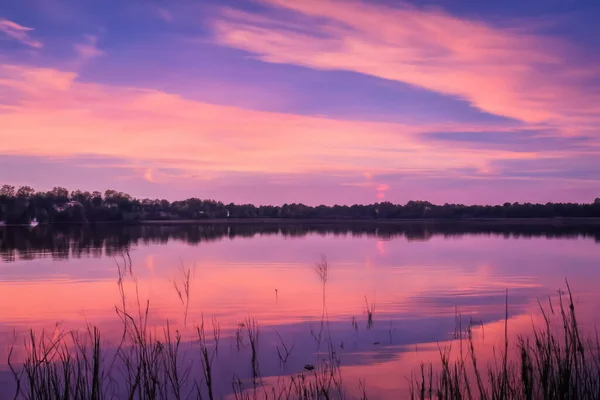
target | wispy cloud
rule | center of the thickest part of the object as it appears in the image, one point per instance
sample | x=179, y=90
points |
x=148, y=175
x=164, y=14
x=509, y=71
x=132, y=122
x=19, y=32
x=371, y=182
x=169, y=139
x=89, y=49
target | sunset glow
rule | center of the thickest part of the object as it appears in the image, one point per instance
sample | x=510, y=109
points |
x=314, y=101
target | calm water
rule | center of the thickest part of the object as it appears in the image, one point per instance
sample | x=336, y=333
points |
x=418, y=278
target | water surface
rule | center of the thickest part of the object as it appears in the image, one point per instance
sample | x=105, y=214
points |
x=420, y=281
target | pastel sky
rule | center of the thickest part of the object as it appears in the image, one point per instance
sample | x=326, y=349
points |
x=314, y=101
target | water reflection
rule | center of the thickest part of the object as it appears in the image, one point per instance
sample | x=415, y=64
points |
x=62, y=242
x=414, y=278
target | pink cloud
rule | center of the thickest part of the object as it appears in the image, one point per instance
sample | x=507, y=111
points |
x=149, y=175
x=169, y=140
x=371, y=183
x=506, y=71
x=89, y=48
x=19, y=32
x=381, y=189
x=206, y=138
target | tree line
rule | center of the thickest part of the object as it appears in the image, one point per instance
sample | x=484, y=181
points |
x=24, y=204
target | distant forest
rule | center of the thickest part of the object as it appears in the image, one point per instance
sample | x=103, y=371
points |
x=23, y=205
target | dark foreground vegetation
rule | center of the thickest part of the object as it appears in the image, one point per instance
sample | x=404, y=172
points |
x=556, y=361
x=22, y=205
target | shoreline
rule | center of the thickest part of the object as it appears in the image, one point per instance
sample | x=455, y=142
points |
x=334, y=221
x=388, y=221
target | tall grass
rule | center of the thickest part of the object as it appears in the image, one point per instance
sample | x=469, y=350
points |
x=550, y=363
x=553, y=362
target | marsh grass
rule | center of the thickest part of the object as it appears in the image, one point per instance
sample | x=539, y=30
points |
x=64, y=365
x=151, y=363
x=553, y=362
x=370, y=310
x=284, y=351
x=183, y=290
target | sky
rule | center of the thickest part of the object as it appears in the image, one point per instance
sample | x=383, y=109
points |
x=313, y=101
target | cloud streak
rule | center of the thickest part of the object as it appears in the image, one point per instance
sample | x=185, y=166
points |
x=507, y=71
x=88, y=49
x=167, y=137
x=148, y=124
x=164, y=14
x=19, y=33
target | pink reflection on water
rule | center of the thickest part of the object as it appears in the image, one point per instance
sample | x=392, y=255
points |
x=418, y=289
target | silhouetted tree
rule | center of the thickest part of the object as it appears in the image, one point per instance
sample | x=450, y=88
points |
x=7, y=191
x=25, y=192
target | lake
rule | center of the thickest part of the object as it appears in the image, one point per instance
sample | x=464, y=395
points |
x=382, y=298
